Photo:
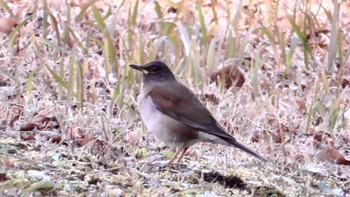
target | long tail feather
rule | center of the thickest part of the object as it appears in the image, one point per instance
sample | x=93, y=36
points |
x=248, y=150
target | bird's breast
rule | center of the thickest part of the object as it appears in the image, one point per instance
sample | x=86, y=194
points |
x=165, y=128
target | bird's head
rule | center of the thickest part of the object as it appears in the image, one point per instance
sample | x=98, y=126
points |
x=154, y=71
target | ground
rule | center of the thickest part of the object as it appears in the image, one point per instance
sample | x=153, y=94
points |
x=275, y=74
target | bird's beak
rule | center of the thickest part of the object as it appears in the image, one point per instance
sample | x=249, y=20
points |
x=138, y=67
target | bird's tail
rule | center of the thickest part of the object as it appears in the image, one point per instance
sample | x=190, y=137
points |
x=248, y=150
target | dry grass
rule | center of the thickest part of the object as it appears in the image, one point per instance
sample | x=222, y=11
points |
x=69, y=126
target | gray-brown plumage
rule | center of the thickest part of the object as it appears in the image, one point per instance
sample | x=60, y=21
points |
x=174, y=114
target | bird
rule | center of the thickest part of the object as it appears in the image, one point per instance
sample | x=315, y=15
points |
x=173, y=113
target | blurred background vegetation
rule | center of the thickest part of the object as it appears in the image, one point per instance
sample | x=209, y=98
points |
x=275, y=72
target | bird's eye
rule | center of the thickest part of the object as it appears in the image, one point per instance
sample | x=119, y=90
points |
x=155, y=69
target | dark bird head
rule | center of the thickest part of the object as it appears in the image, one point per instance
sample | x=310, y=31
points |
x=154, y=71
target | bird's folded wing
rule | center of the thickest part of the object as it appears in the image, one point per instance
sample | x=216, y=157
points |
x=179, y=103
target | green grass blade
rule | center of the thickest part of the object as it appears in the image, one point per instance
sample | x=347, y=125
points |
x=333, y=44
x=55, y=27
x=7, y=8
x=83, y=11
x=51, y=45
x=185, y=38
x=132, y=20
x=202, y=25
x=14, y=34
x=57, y=77
x=303, y=38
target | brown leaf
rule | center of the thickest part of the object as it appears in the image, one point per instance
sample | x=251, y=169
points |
x=100, y=144
x=84, y=3
x=232, y=75
x=318, y=138
x=301, y=103
x=336, y=156
x=27, y=136
x=51, y=135
x=56, y=139
x=323, y=140
x=86, y=139
x=345, y=82
x=210, y=98
x=7, y=25
x=277, y=137
x=15, y=114
x=257, y=136
x=325, y=143
x=78, y=135
x=316, y=38
x=47, y=122
x=3, y=177
x=27, y=127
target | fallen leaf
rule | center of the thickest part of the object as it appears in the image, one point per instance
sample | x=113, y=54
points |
x=83, y=3
x=15, y=114
x=47, y=122
x=78, y=135
x=322, y=140
x=232, y=76
x=27, y=127
x=7, y=25
x=301, y=103
x=335, y=155
x=56, y=139
x=211, y=98
x=3, y=177
x=345, y=82
x=27, y=136
x=318, y=38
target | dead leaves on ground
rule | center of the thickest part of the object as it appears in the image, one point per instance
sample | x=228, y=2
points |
x=44, y=125
x=327, y=147
x=47, y=127
x=229, y=75
x=79, y=136
x=210, y=98
x=3, y=177
x=7, y=25
x=334, y=155
x=324, y=144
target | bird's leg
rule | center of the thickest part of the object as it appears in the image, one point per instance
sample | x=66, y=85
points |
x=182, y=149
x=182, y=154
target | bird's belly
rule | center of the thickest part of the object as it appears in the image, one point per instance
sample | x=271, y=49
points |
x=165, y=128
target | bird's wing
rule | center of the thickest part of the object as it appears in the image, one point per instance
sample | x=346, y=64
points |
x=178, y=102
